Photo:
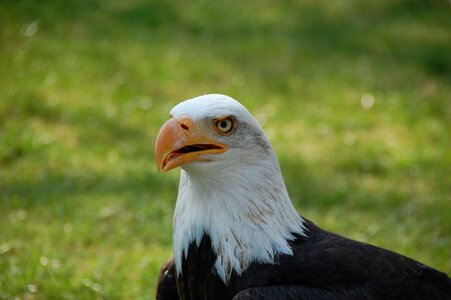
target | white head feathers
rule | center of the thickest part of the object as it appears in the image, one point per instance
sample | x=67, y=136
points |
x=238, y=198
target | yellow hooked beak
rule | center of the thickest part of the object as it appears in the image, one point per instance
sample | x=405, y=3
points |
x=180, y=141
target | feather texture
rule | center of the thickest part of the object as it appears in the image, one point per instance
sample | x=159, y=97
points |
x=323, y=266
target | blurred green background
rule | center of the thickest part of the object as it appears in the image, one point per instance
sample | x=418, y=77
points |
x=354, y=95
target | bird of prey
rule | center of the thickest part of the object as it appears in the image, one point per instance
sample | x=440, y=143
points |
x=237, y=235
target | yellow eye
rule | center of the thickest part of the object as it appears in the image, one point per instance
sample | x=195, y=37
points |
x=225, y=125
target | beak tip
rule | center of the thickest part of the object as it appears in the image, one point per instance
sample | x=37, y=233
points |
x=161, y=167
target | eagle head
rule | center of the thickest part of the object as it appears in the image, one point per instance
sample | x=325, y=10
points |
x=231, y=187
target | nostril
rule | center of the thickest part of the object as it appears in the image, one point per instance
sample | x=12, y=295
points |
x=184, y=126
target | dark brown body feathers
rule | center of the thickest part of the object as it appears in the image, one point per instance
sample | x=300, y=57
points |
x=324, y=266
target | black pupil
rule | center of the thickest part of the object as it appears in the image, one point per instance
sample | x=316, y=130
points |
x=223, y=124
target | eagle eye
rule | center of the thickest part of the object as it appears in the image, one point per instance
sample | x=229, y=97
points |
x=225, y=126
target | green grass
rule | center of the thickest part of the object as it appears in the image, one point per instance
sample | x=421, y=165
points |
x=354, y=95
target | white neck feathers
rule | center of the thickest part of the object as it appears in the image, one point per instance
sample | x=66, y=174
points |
x=246, y=212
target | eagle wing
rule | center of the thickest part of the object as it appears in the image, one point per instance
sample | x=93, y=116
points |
x=329, y=266
x=294, y=292
x=166, y=287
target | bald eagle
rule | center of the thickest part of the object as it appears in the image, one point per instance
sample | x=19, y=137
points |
x=237, y=235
